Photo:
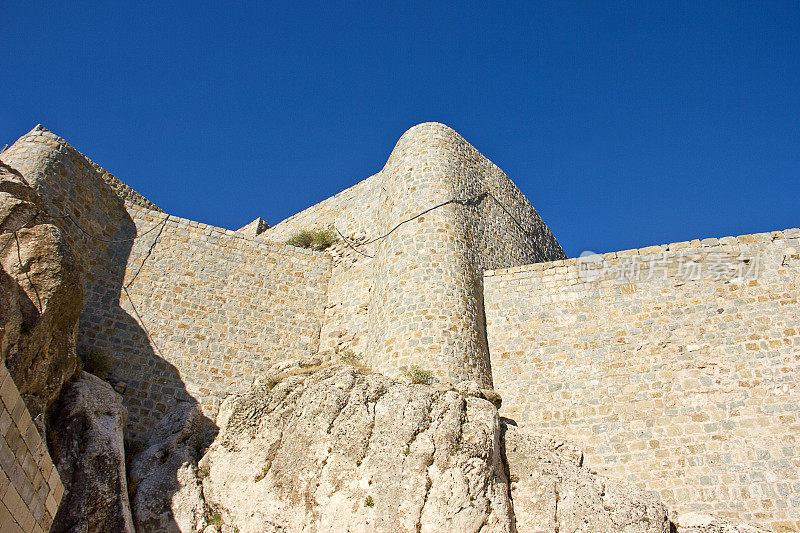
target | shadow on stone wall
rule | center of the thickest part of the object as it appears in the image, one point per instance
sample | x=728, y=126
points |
x=152, y=387
x=102, y=234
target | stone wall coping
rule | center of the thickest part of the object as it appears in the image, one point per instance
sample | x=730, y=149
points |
x=791, y=233
x=176, y=221
x=318, y=205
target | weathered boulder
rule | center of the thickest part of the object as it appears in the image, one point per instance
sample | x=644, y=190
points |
x=703, y=523
x=168, y=490
x=342, y=449
x=554, y=493
x=473, y=388
x=88, y=423
x=339, y=448
x=41, y=295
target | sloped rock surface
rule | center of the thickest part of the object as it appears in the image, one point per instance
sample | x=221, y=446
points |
x=553, y=493
x=91, y=459
x=703, y=523
x=41, y=295
x=169, y=492
x=340, y=449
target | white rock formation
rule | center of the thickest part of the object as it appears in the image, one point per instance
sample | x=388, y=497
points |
x=337, y=448
x=169, y=494
x=344, y=450
x=553, y=493
x=41, y=295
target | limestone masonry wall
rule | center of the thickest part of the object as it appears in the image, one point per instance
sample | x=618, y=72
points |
x=674, y=367
x=30, y=489
x=427, y=305
x=354, y=212
x=411, y=290
x=213, y=306
x=218, y=308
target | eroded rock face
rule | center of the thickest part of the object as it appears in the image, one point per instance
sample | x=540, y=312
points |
x=91, y=459
x=553, y=493
x=41, y=295
x=703, y=523
x=169, y=492
x=340, y=449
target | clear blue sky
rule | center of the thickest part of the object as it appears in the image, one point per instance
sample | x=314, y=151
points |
x=626, y=124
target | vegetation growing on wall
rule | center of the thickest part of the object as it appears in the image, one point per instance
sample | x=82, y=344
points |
x=418, y=375
x=318, y=239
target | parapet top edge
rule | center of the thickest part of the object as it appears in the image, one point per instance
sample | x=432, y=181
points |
x=175, y=220
x=111, y=179
x=675, y=246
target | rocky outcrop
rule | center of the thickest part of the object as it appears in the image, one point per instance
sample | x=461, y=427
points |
x=703, y=523
x=88, y=425
x=168, y=488
x=338, y=448
x=41, y=295
x=554, y=493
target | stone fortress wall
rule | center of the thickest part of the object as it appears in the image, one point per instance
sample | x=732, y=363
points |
x=413, y=294
x=674, y=367
x=213, y=307
x=354, y=213
x=682, y=386
x=30, y=489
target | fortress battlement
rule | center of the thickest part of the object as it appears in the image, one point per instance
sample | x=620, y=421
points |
x=680, y=382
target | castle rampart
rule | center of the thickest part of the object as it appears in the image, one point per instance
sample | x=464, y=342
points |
x=427, y=303
x=213, y=307
x=30, y=489
x=406, y=266
x=674, y=367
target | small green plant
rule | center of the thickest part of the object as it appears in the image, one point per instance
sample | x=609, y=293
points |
x=96, y=362
x=310, y=363
x=349, y=356
x=203, y=472
x=261, y=475
x=214, y=516
x=368, y=502
x=418, y=375
x=318, y=239
x=406, y=450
